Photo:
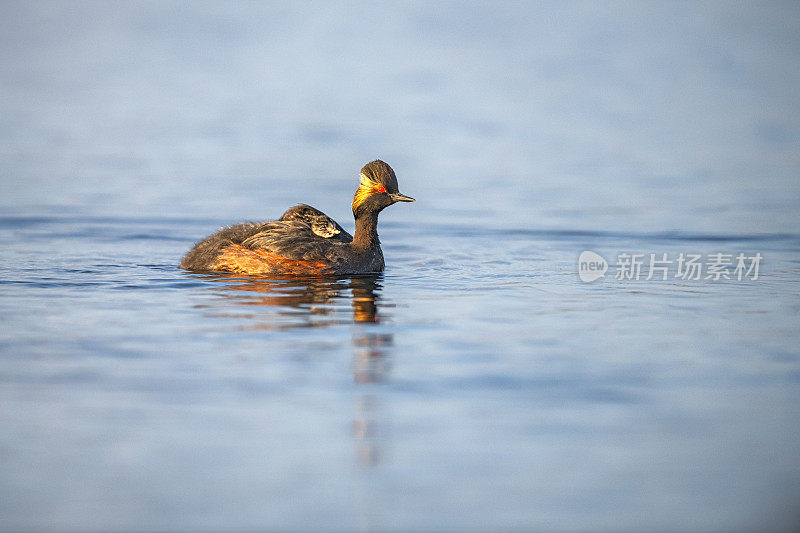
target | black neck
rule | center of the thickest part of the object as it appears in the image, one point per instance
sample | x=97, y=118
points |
x=366, y=235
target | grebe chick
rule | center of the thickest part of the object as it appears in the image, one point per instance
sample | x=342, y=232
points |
x=321, y=224
x=291, y=245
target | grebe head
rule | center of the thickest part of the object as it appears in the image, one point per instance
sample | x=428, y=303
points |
x=320, y=223
x=324, y=227
x=377, y=190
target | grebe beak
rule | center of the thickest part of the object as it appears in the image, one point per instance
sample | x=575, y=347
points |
x=397, y=197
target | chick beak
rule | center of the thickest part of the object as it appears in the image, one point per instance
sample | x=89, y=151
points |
x=397, y=197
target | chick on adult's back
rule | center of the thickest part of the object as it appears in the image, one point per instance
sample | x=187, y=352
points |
x=302, y=241
x=321, y=224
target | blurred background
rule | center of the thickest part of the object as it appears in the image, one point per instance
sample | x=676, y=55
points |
x=478, y=384
x=620, y=115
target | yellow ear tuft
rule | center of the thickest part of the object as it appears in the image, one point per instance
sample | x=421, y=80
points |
x=365, y=188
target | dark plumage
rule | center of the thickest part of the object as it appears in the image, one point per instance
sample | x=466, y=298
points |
x=305, y=240
x=321, y=224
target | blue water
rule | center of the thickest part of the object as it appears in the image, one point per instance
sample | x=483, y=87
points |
x=478, y=384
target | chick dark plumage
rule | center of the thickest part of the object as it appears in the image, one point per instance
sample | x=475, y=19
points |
x=321, y=224
x=305, y=240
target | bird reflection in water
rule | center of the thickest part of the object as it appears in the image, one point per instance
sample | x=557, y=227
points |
x=317, y=302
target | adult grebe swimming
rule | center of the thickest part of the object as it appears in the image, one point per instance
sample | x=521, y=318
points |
x=305, y=240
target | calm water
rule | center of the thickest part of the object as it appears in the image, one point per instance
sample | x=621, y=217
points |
x=478, y=384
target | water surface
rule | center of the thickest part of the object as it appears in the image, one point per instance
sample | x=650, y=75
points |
x=477, y=384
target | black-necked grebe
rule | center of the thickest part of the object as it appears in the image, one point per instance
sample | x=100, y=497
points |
x=321, y=224
x=305, y=240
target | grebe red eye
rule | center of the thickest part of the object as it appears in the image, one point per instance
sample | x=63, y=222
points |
x=381, y=189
